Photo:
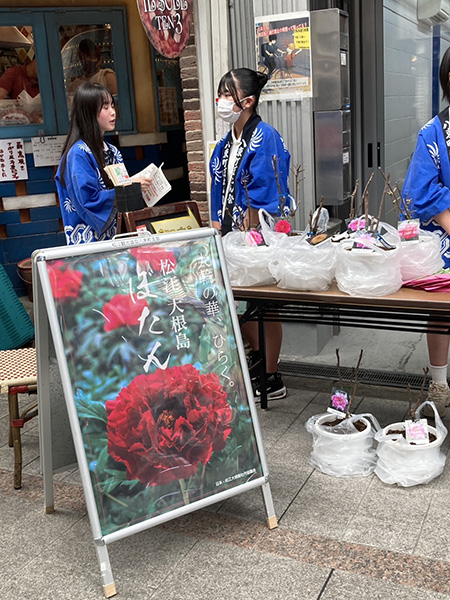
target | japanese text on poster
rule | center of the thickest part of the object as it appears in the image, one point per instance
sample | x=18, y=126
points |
x=283, y=52
x=13, y=165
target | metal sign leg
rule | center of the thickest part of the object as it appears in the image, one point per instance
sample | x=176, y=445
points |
x=109, y=587
x=272, y=521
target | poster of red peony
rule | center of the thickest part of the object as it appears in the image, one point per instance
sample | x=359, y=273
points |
x=155, y=368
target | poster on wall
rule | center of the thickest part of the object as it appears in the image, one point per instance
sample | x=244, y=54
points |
x=283, y=52
x=13, y=166
x=167, y=24
x=158, y=397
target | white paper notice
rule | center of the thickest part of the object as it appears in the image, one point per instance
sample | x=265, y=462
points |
x=13, y=165
x=47, y=150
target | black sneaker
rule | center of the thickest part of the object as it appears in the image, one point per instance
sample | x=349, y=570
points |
x=275, y=388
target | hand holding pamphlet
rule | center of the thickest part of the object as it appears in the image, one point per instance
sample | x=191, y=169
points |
x=159, y=184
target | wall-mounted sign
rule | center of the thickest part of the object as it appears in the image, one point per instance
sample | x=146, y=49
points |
x=13, y=165
x=47, y=150
x=167, y=24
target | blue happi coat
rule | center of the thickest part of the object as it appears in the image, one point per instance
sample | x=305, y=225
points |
x=87, y=206
x=427, y=182
x=255, y=169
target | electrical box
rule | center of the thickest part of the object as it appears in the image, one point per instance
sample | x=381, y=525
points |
x=332, y=156
x=331, y=102
x=329, y=59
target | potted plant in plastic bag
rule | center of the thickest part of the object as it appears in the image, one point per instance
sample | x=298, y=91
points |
x=420, y=249
x=307, y=261
x=409, y=453
x=249, y=250
x=368, y=260
x=342, y=442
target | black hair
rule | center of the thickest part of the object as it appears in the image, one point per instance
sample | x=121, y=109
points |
x=249, y=83
x=87, y=48
x=87, y=103
x=444, y=74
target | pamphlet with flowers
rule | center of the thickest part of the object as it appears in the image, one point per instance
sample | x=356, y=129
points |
x=156, y=377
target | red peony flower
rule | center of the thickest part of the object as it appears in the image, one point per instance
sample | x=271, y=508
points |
x=121, y=311
x=161, y=426
x=159, y=259
x=283, y=226
x=65, y=282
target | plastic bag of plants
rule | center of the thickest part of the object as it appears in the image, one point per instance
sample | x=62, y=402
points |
x=368, y=263
x=421, y=256
x=406, y=462
x=300, y=265
x=249, y=252
x=247, y=265
x=343, y=447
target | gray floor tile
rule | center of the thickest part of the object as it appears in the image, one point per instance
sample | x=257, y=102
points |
x=212, y=571
x=326, y=504
x=357, y=587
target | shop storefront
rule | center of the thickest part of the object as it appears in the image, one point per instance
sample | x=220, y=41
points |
x=46, y=51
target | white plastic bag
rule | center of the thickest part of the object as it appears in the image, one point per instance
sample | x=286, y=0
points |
x=298, y=265
x=247, y=265
x=372, y=270
x=421, y=257
x=406, y=464
x=342, y=450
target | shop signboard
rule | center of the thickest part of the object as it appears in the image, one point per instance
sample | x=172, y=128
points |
x=155, y=379
x=167, y=24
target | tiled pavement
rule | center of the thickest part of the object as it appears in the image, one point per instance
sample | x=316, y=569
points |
x=338, y=538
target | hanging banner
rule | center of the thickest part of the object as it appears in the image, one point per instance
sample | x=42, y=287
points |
x=283, y=52
x=167, y=24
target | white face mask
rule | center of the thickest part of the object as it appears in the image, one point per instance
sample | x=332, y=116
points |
x=226, y=112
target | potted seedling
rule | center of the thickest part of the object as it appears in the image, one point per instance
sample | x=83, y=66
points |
x=409, y=452
x=342, y=441
x=368, y=261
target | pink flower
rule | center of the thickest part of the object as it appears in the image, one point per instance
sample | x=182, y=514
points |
x=283, y=226
x=357, y=224
x=339, y=400
x=253, y=238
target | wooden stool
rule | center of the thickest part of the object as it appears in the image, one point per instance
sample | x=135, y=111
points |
x=18, y=375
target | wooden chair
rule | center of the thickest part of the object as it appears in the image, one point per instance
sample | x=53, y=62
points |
x=145, y=216
x=18, y=375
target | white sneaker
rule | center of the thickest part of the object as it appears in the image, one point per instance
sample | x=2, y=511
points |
x=439, y=393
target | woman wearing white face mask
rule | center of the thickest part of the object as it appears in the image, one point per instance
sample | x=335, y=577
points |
x=244, y=180
x=242, y=162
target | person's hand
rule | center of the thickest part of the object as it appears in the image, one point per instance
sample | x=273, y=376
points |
x=216, y=225
x=145, y=182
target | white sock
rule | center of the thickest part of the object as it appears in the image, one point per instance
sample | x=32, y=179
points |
x=439, y=374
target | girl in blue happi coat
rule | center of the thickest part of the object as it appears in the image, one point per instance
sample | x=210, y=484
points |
x=427, y=186
x=242, y=165
x=86, y=194
x=244, y=169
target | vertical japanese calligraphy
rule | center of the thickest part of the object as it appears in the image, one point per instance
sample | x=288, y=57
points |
x=13, y=164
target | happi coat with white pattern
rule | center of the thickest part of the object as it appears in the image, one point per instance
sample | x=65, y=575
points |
x=427, y=183
x=255, y=173
x=87, y=206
